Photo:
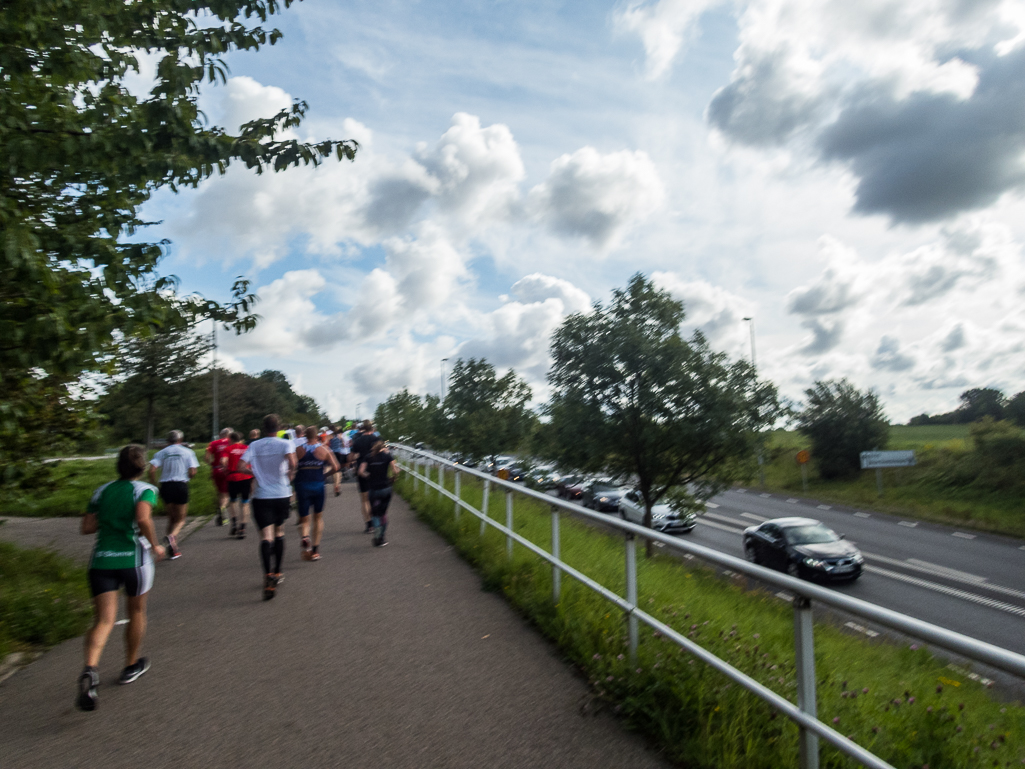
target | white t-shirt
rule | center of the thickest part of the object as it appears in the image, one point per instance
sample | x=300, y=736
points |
x=299, y=441
x=174, y=462
x=268, y=458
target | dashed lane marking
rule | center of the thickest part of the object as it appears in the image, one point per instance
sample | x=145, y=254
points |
x=861, y=629
x=862, y=515
x=742, y=491
x=962, y=535
x=785, y=595
x=711, y=505
x=909, y=524
x=945, y=572
x=962, y=594
x=792, y=501
x=825, y=507
x=754, y=517
x=719, y=526
x=765, y=496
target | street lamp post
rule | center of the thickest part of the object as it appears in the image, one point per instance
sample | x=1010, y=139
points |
x=754, y=364
x=443, y=361
x=360, y=403
x=216, y=409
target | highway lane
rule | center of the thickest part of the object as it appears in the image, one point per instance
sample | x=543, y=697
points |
x=972, y=583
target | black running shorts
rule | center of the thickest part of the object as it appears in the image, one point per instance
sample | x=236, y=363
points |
x=364, y=484
x=270, y=512
x=238, y=489
x=136, y=581
x=174, y=492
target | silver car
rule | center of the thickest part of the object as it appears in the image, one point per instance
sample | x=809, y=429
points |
x=663, y=517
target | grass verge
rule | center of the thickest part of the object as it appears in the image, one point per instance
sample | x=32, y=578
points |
x=73, y=482
x=906, y=490
x=44, y=599
x=899, y=702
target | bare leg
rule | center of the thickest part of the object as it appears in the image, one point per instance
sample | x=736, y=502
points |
x=364, y=498
x=304, y=526
x=244, y=511
x=136, y=629
x=318, y=528
x=103, y=623
x=176, y=518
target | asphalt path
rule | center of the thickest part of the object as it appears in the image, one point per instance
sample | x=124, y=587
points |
x=372, y=657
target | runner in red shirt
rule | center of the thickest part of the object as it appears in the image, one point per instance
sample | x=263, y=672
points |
x=240, y=485
x=214, y=454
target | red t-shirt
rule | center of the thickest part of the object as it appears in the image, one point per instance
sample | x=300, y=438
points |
x=217, y=449
x=234, y=454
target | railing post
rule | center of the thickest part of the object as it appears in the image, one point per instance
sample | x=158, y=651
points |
x=556, y=571
x=631, y=594
x=804, y=650
x=416, y=480
x=484, y=507
x=459, y=475
x=509, y=523
x=441, y=479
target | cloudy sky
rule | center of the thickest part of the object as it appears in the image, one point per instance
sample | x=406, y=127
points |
x=849, y=174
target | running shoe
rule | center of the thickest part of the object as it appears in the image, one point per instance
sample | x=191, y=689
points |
x=314, y=556
x=133, y=672
x=270, y=582
x=234, y=528
x=173, y=553
x=87, y=683
x=220, y=517
x=241, y=532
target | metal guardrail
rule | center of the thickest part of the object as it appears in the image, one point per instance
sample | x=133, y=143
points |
x=804, y=713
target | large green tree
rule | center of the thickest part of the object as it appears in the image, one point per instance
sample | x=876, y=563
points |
x=842, y=421
x=80, y=153
x=632, y=397
x=487, y=413
x=407, y=416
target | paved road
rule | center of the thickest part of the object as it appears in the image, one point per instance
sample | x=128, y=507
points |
x=966, y=581
x=388, y=657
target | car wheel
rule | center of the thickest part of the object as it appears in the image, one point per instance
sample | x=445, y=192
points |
x=750, y=553
x=794, y=569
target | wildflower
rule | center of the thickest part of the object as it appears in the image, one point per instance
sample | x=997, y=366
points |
x=843, y=685
x=596, y=657
x=911, y=700
x=875, y=730
x=639, y=670
x=914, y=647
x=836, y=720
x=960, y=706
x=843, y=694
x=620, y=657
x=929, y=709
x=865, y=690
x=939, y=689
x=757, y=635
x=609, y=679
x=687, y=615
x=959, y=729
x=693, y=627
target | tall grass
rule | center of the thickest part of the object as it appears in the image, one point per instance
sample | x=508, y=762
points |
x=897, y=701
x=44, y=598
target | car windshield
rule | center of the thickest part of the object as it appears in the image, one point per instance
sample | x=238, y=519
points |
x=815, y=534
x=605, y=487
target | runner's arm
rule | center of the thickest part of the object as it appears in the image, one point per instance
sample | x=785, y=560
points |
x=330, y=458
x=395, y=469
x=242, y=466
x=90, y=523
x=292, y=464
x=192, y=472
x=144, y=517
x=363, y=470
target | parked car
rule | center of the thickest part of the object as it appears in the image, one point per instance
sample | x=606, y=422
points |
x=803, y=548
x=570, y=487
x=663, y=517
x=602, y=495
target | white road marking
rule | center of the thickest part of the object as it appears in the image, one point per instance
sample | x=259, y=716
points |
x=765, y=496
x=792, y=500
x=962, y=594
x=862, y=515
x=719, y=526
x=121, y=622
x=861, y=629
x=754, y=517
x=659, y=544
x=785, y=595
x=725, y=519
x=947, y=573
x=909, y=524
x=962, y=535
x=742, y=491
x=825, y=507
x=711, y=505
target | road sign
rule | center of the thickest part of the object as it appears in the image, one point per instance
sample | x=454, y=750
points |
x=803, y=457
x=871, y=460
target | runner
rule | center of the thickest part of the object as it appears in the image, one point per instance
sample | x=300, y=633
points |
x=178, y=465
x=380, y=470
x=340, y=446
x=314, y=460
x=272, y=461
x=361, y=447
x=214, y=455
x=119, y=512
x=240, y=485
x=254, y=435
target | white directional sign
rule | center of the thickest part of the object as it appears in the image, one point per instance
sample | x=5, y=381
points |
x=875, y=459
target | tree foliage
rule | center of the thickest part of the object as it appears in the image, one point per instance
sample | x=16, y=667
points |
x=486, y=414
x=405, y=416
x=841, y=422
x=80, y=153
x=632, y=397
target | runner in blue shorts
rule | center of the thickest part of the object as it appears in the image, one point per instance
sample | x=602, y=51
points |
x=315, y=459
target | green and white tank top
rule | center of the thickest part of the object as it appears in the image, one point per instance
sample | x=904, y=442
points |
x=118, y=542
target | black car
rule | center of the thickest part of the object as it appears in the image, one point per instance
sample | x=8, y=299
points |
x=602, y=495
x=804, y=548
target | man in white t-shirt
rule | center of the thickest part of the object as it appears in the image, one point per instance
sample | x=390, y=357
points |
x=272, y=463
x=177, y=464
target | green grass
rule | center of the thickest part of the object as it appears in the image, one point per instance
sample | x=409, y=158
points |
x=905, y=492
x=44, y=599
x=696, y=715
x=73, y=482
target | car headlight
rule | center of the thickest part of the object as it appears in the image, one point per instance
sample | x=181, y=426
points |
x=603, y=499
x=813, y=563
x=859, y=558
